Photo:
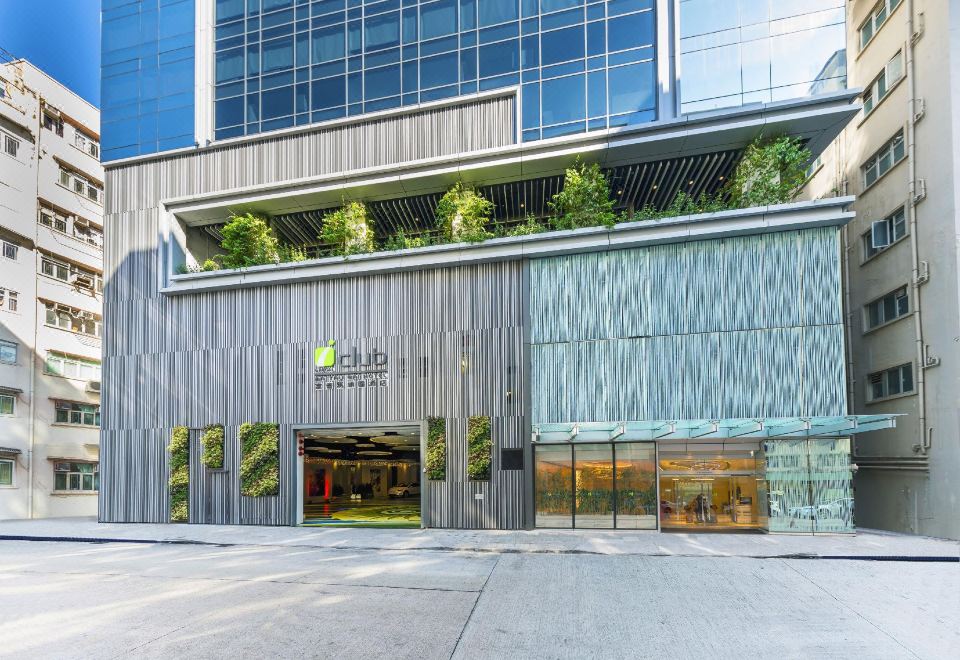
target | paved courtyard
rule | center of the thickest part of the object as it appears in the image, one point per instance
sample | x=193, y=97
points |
x=67, y=599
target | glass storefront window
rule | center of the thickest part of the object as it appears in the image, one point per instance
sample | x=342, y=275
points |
x=636, y=485
x=593, y=478
x=596, y=486
x=554, y=486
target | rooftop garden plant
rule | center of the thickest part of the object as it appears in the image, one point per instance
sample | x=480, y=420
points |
x=584, y=200
x=463, y=215
x=248, y=241
x=348, y=230
x=771, y=171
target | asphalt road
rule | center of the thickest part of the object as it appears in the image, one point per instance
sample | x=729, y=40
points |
x=84, y=600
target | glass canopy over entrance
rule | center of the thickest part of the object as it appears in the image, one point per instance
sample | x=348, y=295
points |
x=706, y=429
x=763, y=474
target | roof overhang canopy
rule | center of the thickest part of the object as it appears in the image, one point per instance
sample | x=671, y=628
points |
x=711, y=429
x=692, y=141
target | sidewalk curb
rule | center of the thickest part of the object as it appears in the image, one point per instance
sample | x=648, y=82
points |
x=505, y=551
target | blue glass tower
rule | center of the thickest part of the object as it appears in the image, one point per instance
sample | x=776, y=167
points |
x=147, y=76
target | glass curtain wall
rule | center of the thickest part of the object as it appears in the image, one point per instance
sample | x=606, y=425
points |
x=596, y=486
x=147, y=76
x=581, y=64
x=735, y=52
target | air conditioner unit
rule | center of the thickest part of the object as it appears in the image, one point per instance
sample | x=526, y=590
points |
x=919, y=190
x=93, y=386
x=84, y=281
x=919, y=109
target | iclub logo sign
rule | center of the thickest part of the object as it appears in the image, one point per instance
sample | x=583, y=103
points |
x=348, y=370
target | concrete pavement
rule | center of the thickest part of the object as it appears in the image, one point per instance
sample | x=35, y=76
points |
x=541, y=597
x=865, y=543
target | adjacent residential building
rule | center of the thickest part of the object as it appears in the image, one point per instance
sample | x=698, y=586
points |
x=681, y=373
x=51, y=293
x=899, y=157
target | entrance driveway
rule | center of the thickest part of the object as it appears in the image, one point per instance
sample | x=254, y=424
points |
x=384, y=594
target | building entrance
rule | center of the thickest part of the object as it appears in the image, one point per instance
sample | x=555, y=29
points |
x=364, y=477
x=708, y=490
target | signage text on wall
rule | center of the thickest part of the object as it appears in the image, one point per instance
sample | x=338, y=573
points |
x=348, y=370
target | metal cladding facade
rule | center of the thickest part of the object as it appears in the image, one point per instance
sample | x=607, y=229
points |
x=739, y=326
x=453, y=336
x=747, y=326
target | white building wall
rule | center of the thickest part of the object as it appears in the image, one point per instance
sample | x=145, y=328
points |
x=28, y=183
x=907, y=477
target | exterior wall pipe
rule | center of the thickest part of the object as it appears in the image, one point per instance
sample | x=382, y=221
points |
x=922, y=446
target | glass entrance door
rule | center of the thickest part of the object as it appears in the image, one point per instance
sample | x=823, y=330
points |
x=711, y=491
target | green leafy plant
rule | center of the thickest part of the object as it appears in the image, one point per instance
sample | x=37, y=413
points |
x=291, y=253
x=179, y=484
x=772, y=171
x=248, y=241
x=436, y=459
x=530, y=225
x=463, y=214
x=259, y=459
x=584, y=200
x=400, y=241
x=347, y=230
x=479, y=448
x=207, y=266
x=212, y=442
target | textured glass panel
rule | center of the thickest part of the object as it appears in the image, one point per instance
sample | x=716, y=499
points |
x=831, y=480
x=789, y=488
x=554, y=486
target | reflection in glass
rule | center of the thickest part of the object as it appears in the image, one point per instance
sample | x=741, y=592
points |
x=593, y=479
x=636, y=486
x=554, y=486
x=735, y=52
x=788, y=481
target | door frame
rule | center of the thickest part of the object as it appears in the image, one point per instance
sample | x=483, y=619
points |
x=420, y=425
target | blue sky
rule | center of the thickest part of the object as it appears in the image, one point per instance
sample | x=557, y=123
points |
x=62, y=37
